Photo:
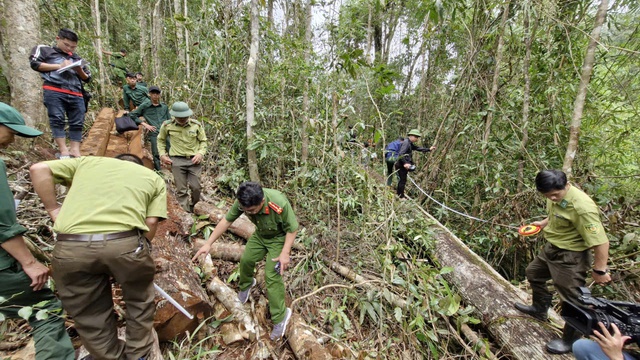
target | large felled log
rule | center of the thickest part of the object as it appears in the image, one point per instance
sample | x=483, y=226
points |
x=175, y=275
x=222, y=250
x=481, y=286
x=229, y=298
x=242, y=227
x=96, y=142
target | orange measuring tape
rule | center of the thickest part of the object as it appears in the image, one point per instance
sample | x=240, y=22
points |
x=529, y=230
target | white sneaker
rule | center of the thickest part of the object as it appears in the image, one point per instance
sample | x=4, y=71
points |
x=280, y=328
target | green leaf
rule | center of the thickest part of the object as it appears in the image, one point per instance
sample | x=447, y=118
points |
x=42, y=315
x=397, y=312
x=25, y=312
x=2, y=317
x=2, y=299
x=41, y=304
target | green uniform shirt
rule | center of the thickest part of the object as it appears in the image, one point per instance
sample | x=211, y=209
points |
x=269, y=223
x=117, y=60
x=9, y=227
x=574, y=222
x=137, y=95
x=185, y=140
x=154, y=115
x=107, y=195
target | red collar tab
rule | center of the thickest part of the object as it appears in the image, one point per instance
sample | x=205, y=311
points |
x=275, y=207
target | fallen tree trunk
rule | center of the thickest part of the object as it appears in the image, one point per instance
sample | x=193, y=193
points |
x=242, y=227
x=175, y=275
x=229, y=298
x=481, y=286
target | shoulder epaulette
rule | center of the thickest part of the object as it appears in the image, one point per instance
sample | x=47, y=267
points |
x=275, y=207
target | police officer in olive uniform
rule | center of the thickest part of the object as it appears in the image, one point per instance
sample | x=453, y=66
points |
x=276, y=229
x=572, y=229
x=22, y=278
x=188, y=145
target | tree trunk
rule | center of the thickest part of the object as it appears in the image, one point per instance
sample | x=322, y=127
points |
x=528, y=36
x=585, y=77
x=494, y=83
x=308, y=32
x=229, y=298
x=254, y=174
x=144, y=35
x=156, y=45
x=179, y=22
x=22, y=32
x=97, y=44
x=242, y=227
x=186, y=43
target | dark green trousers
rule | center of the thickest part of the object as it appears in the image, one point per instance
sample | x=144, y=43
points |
x=49, y=335
x=153, y=140
x=568, y=270
x=255, y=250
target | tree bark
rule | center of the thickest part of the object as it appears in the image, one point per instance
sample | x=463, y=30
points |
x=187, y=59
x=254, y=174
x=308, y=46
x=156, y=40
x=21, y=31
x=179, y=20
x=229, y=298
x=144, y=34
x=585, y=77
x=97, y=44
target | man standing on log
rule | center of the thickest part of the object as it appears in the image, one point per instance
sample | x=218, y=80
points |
x=276, y=229
x=188, y=145
x=63, y=90
x=133, y=94
x=572, y=229
x=104, y=229
x=22, y=278
x=405, y=160
x=151, y=114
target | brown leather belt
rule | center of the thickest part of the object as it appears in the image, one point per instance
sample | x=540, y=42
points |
x=97, y=237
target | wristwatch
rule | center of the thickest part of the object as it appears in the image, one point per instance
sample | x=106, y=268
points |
x=600, y=272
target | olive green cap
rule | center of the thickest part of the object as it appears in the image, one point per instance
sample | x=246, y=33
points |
x=415, y=132
x=12, y=119
x=180, y=110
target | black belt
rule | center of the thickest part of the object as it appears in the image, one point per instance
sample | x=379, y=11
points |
x=97, y=237
x=188, y=157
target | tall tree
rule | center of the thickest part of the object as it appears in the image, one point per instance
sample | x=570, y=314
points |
x=585, y=77
x=97, y=44
x=158, y=33
x=144, y=34
x=20, y=33
x=251, y=80
x=308, y=32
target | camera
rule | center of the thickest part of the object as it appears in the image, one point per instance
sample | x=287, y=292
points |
x=585, y=316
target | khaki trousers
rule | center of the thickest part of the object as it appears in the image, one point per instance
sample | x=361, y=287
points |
x=82, y=271
x=186, y=175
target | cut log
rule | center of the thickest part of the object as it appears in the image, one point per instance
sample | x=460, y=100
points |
x=175, y=275
x=482, y=287
x=97, y=139
x=242, y=227
x=303, y=343
x=222, y=250
x=229, y=298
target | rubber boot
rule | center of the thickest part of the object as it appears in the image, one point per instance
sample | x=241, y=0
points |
x=563, y=346
x=538, y=309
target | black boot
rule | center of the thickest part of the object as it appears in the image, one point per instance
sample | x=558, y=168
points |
x=538, y=309
x=563, y=346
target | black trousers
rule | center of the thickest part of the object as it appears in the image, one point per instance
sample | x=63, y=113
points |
x=402, y=174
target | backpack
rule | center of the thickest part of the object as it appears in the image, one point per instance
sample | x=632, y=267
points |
x=392, y=149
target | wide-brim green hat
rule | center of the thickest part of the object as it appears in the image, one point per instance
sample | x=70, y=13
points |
x=12, y=119
x=415, y=132
x=180, y=110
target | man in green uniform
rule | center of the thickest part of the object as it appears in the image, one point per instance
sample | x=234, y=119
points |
x=104, y=232
x=140, y=79
x=572, y=229
x=276, y=229
x=188, y=145
x=118, y=65
x=133, y=94
x=22, y=278
x=151, y=114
